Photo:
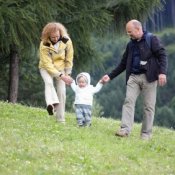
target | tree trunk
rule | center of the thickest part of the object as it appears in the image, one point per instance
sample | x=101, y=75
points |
x=13, y=75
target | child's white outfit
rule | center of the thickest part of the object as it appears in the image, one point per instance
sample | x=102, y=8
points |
x=84, y=99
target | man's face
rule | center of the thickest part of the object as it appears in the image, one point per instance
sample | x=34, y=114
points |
x=54, y=37
x=132, y=31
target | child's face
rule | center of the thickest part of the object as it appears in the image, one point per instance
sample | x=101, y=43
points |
x=81, y=82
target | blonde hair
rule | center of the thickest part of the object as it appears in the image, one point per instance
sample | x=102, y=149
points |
x=53, y=27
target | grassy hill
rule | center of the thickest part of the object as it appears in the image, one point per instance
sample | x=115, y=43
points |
x=33, y=143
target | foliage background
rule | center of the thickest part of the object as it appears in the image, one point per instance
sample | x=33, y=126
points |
x=97, y=30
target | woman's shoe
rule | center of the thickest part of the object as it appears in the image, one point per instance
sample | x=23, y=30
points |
x=50, y=109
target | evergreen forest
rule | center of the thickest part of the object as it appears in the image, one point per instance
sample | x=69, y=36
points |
x=97, y=29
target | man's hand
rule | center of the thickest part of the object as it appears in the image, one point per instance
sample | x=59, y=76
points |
x=105, y=79
x=162, y=79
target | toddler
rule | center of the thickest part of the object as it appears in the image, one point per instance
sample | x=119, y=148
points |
x=84, y=92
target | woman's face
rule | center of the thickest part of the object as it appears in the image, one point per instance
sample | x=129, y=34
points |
x=54, y=37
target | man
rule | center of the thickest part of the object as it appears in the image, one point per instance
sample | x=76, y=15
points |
x=145, y=67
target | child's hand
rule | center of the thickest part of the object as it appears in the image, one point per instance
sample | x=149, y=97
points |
x=101, y=81
x=67, y=79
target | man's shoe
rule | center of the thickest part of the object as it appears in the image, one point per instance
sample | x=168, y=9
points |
x=122, y=133
x=50, y=109
x=145, y=136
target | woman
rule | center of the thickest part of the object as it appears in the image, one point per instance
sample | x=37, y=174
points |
x=56, y=62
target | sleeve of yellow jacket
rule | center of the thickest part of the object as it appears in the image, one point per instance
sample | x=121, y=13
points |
x=46, y=61
x=69, y=57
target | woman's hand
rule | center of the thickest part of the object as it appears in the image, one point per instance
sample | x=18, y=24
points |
x=67, y=79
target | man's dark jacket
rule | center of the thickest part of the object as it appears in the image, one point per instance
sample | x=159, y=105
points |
x=155, y=56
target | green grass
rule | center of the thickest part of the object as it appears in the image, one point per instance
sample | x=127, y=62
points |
x=33, y=143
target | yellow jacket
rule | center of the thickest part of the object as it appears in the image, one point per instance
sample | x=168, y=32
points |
x=56, y=61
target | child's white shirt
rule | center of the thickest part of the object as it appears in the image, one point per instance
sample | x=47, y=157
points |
x=85, y=95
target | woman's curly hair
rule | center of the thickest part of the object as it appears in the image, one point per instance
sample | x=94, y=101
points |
x=53, y=27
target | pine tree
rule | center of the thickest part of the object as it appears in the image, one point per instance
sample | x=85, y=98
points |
x=21, y=22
